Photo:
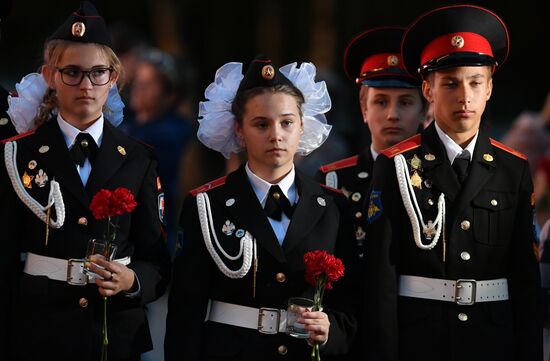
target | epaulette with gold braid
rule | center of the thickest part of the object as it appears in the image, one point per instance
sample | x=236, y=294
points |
x=331, y=189
x=208, y=186
x=17, y=137
x=339, y=164
x=507, y=149
x=407, y=144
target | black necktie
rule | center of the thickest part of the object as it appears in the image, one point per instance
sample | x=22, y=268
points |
x=277, y=203
x=83, y=147
x=461, y=164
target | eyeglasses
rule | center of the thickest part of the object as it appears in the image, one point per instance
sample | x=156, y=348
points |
x=73, y=76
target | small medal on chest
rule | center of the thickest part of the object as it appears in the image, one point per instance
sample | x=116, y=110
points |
x=228, y=228
x=41, y=178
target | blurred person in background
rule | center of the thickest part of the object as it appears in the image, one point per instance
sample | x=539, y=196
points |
x=155, y=94
x=527, y=136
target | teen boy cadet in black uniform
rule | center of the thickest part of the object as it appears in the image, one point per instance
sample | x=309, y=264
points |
x=451, y=272
x=392, y=106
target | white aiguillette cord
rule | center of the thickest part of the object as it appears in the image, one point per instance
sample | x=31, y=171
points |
x=414, y=213
x=247, y=249
x=55, y=197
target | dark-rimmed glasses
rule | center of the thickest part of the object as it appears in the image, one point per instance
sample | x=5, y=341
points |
x=73, y=76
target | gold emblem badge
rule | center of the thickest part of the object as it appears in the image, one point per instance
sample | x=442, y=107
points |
x=416, y=180
x=78, y=29
x=429, y=157
x=457, y=41
x=488, y=157
x=27, y=180
x=415, y=162
x=393, y=60
x=121, y=150
x=268, y=72
x=44, y=149
x=4, y=121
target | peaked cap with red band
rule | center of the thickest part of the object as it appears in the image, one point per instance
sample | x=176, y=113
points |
x=451, y=36
x=373, y=58
x=262, y=73
x=85, y=26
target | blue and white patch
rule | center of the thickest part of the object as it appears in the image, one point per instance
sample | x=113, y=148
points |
x=161, y=207
x=375, y=206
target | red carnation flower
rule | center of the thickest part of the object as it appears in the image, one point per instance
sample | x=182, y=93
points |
x=100, y=204
x=122, y=201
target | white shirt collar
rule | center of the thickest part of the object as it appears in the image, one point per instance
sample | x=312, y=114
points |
x=70, y=132
x=373, y=152
x=452, y=148
x=261, y=187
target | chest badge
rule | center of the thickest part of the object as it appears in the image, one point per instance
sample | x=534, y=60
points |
x=32, y=164
x=121, y=150
x=27, y=180
x=360, y=234
x=415, y=163
x=41, y=178
x=429, y=157
x=43, y=149
x=375, y=206
x=416, y=180
x=228, y=228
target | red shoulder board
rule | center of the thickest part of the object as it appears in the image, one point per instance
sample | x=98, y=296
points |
x=331, y=189
x=17, y=137
x=407, y=144
x=208, y=186
x=339, y=164
x=507, y=149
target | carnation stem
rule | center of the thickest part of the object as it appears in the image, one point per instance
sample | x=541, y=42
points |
x=105, y=343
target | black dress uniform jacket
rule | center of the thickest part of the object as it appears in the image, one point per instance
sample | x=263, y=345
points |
x=7, y=129
x=52, y=319
x=496, y=201
x=320, y=222
x=353, y=177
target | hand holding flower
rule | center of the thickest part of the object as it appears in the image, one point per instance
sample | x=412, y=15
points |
x=116, y=276
x=318, y=325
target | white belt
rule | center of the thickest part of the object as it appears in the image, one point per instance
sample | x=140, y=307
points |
x=461, y=292
x=70, y=271
x=265, y=320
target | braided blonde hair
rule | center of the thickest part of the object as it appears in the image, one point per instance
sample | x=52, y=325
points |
x=53, y=50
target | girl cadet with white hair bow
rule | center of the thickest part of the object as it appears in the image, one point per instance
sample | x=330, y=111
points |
x=246, y=234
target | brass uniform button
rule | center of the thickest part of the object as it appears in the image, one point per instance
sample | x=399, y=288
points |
x=282, y=350
x=280, y=277
x=465, y=256
x=276, y=195
x=83, y=302
x=494, y=202
x=83, y=221
x=358, y=215
x=465, y=225
x=463, y=317
x=430, y=201
x=4, y=121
